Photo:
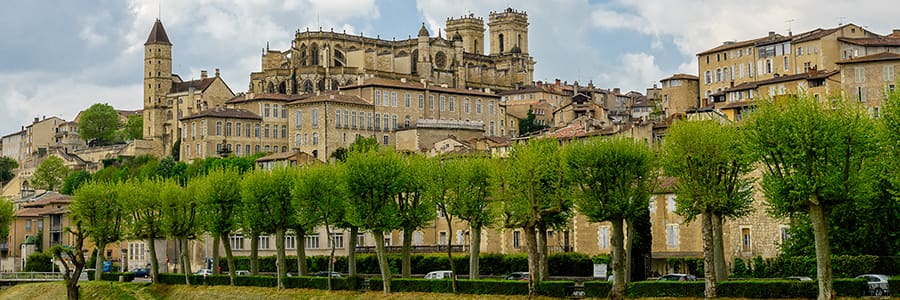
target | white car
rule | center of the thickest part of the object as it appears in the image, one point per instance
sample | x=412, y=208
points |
x=878, y=284
x=204, y=272
x=439, y=275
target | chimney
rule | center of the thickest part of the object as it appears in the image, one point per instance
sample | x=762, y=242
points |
x=557, y=82
x=895, y=33
x=217, y=72
x=202, y=74
x=771, y=34
x=616, y=91
x=36, y=119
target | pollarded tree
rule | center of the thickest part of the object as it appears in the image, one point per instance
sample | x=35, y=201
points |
x=50, y=174
x=141, y=199
x=266, y=195
x=98, y=124
x=219, y=197
x=416, y=210
x=711, y=164
x=320, y=197
x=179, y=220
x=614, y=178
x=7, y=215
x=815, y=155
x=536, y=194
x=471, y=201
x=373, y=185
x=96, y=205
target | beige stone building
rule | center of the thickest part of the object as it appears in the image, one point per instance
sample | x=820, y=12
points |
x=679, y=93
x=323, y=60
x=740, y=99
x=869, y=79
x=14, y=145
x=223, y=131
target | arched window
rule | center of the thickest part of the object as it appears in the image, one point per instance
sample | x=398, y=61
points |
x=237, y=129
x=284, y=131
x=266, y=133
x=219, y=128
x=307, y=86
x=271, y=88
x=338, y=58
x=193, y=129
x=297, y=140
x=268, y=149
x=466, y=105
x=257, y=134
x=501, y=42
x=413, y=59
x=314, y=54
x=406, y=122
x=315, y=140
x=169, y=115
x=282, y=88
x=303, y=55
x=228, y=129
x=257, y=149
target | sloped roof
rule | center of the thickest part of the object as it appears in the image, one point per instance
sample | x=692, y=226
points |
x=872, y=41
x=681, y=76
x=333, y=97
x=158, y=35
x=222, y=112
x=249, y=97
x=734, y=45
x=883, y=56
x=414, y=85
x=198, y=84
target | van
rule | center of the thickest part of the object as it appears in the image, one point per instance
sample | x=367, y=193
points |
x=439, y=275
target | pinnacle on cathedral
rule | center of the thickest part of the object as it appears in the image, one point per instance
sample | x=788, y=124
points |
x=158, y=35
x=423, y=31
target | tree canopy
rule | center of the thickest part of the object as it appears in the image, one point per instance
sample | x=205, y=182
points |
x=98, y=124
x=7, y=165
x=50, y=174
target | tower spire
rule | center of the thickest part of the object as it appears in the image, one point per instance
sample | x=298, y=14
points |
x=158, y=35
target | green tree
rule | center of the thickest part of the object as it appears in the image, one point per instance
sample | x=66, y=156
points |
x=7, y=216
x=50, y=174
x=373, y=185
x=7, y=165
x=320, y=197
x=815, y=156
x=134, y=128
x=266, y=195
x=219, y=198
x=711, y=164
x=98, y=124
x=74, y=180
x=38, y=262
x=143, y=201
x=614, y=177
x=471, y=201
x=529, y=124
x=179, y=219
x=96, y=205
x=416, y=211
x=536, y=195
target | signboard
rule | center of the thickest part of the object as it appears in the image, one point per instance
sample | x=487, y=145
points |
x=600, y=271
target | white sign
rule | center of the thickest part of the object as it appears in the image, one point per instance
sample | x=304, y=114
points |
x=599, y=270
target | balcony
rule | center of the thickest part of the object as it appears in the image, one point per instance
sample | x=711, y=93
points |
x=415, y=249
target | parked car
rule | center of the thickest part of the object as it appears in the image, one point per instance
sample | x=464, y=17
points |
x=204, y=272
x=439, y=275
x=677, y=277
x=325, y=274
x=141, y=272
x=241, y=273
x=517, y=276
x=798, y=278
x=878, y=284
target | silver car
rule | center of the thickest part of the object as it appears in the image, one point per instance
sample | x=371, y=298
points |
x=878, y=283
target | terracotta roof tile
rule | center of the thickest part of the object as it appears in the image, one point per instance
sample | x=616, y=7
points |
x=414, y=85
x=221, y=112
x=872, y=41
x=681, y=76
x=199, y=85
x=249, y=97
x=333, y=97
x=872, y=58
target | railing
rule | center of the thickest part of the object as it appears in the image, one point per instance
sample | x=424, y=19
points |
x=31, y=276
x=414, y=249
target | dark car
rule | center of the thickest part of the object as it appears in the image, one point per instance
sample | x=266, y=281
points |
x=517, y=276
x=677, y=277
x=325, y=274
x=141, y=272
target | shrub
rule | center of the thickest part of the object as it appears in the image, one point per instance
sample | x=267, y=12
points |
x=643, y=289
x=39, y=262
x=260, y=281
x=556, y=289
x=597, y=289
x=850, y=287
x=306, y=282
x=739, y=269
x=570, y=264
x=493, y=287
x=894, y=286
x=767, y=289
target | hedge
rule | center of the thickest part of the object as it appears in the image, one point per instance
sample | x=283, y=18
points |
x=481, y=287
x=597, y=289
x=643, y=289
x=894, y=286
x=560, y=264
x=843, y=266
x=111, y=276
x=344, y=283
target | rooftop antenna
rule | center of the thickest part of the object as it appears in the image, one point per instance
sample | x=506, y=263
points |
x=159, y=10
x=789, y=26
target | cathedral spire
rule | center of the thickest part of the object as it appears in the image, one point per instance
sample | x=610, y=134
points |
x=158, y=35
x=423, y=31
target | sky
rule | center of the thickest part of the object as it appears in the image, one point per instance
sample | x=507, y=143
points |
x=58, y=57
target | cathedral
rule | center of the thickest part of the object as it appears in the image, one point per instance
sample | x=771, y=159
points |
x=324, y=60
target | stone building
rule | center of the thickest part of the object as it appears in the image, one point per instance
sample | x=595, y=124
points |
x=323, y=60
x=869, y=79
x=679, y=93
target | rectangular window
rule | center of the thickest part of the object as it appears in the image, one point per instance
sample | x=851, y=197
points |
x=337, y=114
x=28, y=225
x=421, y=101
x=264, y=242
x=670, y=203
x=290, y=242
x=888, y=73
x=237, y=242
x=369, y=120
x=603, y=236
x=360, y=239
x=312, y=241
x=785, y=233
x=377, y=97
x=452, y=103
x=353, y=119
x=393, y=99
x=431, y=102
x=441, y=104
x=517, y=237
x=267, y=111
x=745, y=239
x=386, y=139
x=338, y=239
x=860, y=74
x=652, y=205
x=408, y=100
x=314, y=118
x=299, y=119
x=672, y=236
x=442, y=239
x=786, y=63
x=346, y=119
x=284, y=131
x=860, y=94
x=377, y=121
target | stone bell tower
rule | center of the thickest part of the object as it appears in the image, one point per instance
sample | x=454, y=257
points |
x=509, y=31
x=157, y=84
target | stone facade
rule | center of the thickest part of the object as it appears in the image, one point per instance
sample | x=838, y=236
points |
x=869, y=79
x=679, y=94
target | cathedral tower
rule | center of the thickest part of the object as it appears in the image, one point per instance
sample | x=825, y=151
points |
x=509, y=32
x=157, y=83
x=471, y=29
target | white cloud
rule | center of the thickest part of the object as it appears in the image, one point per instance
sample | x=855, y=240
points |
x=634, y=71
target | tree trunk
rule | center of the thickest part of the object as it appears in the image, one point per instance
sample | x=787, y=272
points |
x=719, y=248
x=215, y=252
x=301, y=252
x=405, y=264
x=72, y=288
x=543, y=253
x=382, y=260
x=618, y=260
x=351, y=253
x=823, y=251
x=98, y=264
x=280, y=262
x=533, y=257
x=331, y=256
x=474, y=254
x=709, y=269
x=186, y=255
x=450, y=253
x=254, y=253
x=629, y=250
x=154, y=261
x=229, y=257
x=180, y=244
